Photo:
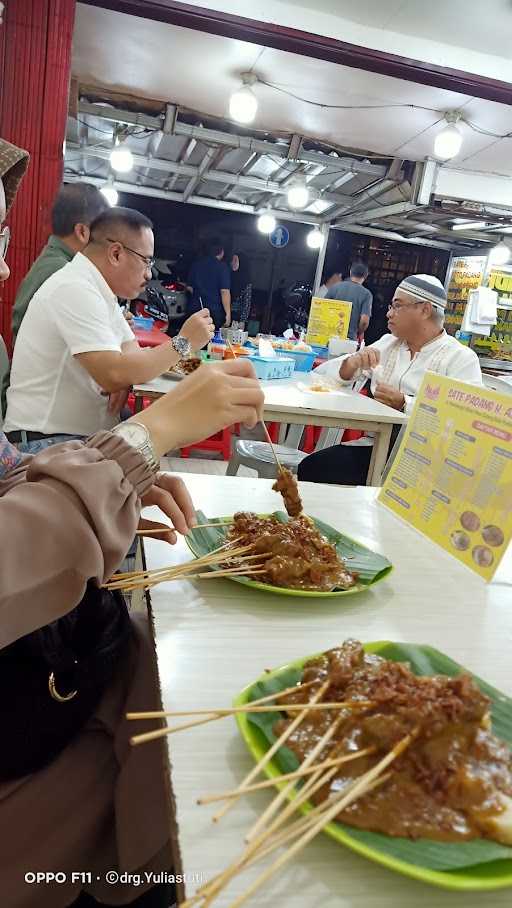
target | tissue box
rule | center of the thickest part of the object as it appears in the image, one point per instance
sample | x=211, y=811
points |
x=268, y=367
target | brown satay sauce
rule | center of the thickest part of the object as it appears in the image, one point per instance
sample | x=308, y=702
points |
x=299, y=557
x=447, y=784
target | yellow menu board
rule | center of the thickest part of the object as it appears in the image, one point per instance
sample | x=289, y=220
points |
x=327, y=318
x=452, y=476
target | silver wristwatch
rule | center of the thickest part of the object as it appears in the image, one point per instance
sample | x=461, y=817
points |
x=136, y=435
x=182, y=345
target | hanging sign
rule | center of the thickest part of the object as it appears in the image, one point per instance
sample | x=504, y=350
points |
x=279, y=238
x=327, y=318
x=452, y=476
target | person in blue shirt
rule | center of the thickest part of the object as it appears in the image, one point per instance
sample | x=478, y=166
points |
x=209, y=283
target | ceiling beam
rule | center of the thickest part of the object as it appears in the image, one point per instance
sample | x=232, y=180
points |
x=389, y=235
x=217, y=137
x=378, y=214
x=254, y=184
x=309, y=44
x=211, y=156
x=152, y=192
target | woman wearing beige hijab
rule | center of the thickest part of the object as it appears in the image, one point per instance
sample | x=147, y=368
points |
x=75, y=798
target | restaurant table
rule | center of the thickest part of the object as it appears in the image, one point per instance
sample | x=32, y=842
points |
x=289, y=401
x=214, y=637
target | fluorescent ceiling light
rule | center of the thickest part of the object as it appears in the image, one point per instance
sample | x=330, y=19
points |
x=315, y=238
x=121, y=159
x=243, y=103
x=448, y=142
x=266, y=222
x=469, y=225
x=298, y=194
x=111, y=194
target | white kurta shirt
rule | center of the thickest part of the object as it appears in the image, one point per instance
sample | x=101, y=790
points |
x=74, y=311
x=444, y=355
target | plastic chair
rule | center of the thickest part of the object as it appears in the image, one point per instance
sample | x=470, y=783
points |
x=258, y=455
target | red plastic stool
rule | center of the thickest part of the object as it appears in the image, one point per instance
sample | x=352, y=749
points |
x=220, y=442
x=273, y=431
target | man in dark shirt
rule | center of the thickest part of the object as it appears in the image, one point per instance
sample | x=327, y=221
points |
x=352, y=291
x=210, y=282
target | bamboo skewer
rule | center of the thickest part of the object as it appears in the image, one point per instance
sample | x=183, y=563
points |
x=272, y=750
x=218, y=525
x=161, y=714
x=252, y=707
x=207, y=575
x=339, y=803
x=277, y=780
x=316, y=782
x=119, y=581
x=153, y=532
x=197, y=562
x=220, y=713
x=274, y=452
x=299, y=826
x=277, y=841
x=282, y=795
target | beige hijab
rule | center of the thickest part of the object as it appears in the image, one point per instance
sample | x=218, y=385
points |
x=13, y=164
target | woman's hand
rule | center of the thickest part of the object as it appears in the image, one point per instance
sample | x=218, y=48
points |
x=212, y=398
x=171, y=495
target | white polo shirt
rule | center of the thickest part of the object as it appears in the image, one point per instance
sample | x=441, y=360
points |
x=74, y=311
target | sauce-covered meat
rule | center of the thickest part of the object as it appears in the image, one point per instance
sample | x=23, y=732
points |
x=453, y=782
x=294, y=554
x=287, y=485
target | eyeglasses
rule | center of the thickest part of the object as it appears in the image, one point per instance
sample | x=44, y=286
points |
x=148, y=261
x=5, y=236
x=397, y=306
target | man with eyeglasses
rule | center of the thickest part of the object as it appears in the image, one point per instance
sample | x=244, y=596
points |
x=75, y=353
x=395, y=365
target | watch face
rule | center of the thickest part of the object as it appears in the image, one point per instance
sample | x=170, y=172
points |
x=182, y=345
x=135, y=434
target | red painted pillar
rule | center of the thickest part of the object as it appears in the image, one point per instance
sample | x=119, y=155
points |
x=35, y=65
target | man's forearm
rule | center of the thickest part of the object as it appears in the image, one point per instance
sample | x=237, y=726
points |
x=139, y=366
x=349, y=367
x=226, y=302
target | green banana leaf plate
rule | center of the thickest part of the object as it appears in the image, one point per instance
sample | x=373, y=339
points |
x=479, y=864
x=370, y=566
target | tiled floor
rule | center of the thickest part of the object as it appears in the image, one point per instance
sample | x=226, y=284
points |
x=200, y=464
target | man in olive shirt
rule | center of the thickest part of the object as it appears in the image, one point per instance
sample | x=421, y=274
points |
x=75, y=208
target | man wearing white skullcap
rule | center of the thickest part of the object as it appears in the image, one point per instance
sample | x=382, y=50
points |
x=395, y=364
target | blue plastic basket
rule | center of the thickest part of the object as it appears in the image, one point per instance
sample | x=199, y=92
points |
x=268, y=367
x=303, y=361
x=145, y=324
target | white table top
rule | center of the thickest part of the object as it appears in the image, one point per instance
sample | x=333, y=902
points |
x=286, y=395
x=215, y=637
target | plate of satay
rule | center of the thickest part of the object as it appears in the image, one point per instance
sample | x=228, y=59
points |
x=289, y=554
x=183, y=368
x=410, y=764
x=392, y=749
